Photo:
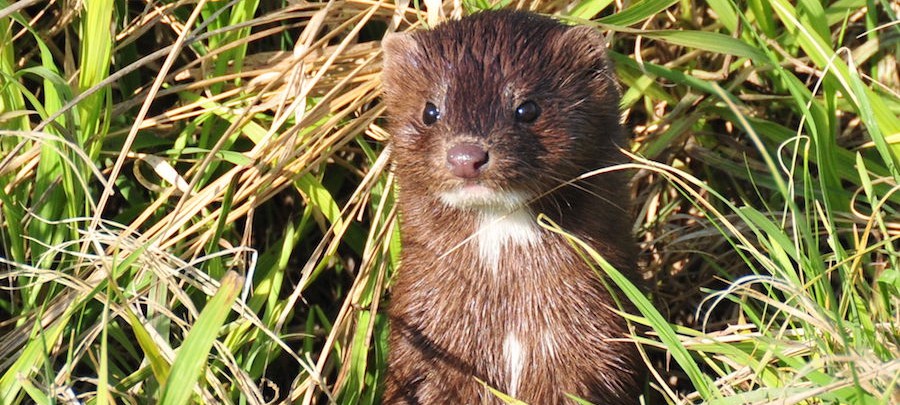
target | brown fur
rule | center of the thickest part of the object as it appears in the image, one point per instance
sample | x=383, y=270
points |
x=449, y=311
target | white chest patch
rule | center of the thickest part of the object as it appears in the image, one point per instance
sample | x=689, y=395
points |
x=549, y=344
x=503, y=219
x=498, y=230
x=515, y=361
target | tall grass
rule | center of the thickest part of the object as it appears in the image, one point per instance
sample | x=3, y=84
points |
x=196, y=203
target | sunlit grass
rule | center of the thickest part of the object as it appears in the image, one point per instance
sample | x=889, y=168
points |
x=197, y=205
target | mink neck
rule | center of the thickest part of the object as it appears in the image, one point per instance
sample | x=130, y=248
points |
x=587, y=210
x=499, y=243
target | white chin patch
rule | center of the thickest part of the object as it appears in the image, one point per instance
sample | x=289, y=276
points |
x=483, y=198
x=504, y=220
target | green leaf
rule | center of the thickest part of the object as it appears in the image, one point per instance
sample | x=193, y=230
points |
x=725, y=11
x=31, y=356
x=588, y=8
x=637, y=12
x=320, y=198
x=194, y=353
x=666, y=334
x=158, y=363
x=710, y=42
x=236, y=158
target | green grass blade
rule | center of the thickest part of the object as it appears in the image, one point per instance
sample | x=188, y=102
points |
x=637, y=12
x=666, y=334
x=194, y=352
x=588, y=8
x=10, y=97
x=725, y=10
x=873, y=111
x=31, y=357
x=103, y=394
x=710, y=42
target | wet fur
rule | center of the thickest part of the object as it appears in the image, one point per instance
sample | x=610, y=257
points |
x=537, y=320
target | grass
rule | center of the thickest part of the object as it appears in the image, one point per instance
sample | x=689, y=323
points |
x=196, y=204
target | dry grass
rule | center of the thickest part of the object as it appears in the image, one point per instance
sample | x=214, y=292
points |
x=233, y=137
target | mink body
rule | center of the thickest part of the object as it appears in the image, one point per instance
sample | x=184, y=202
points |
x=490, y=115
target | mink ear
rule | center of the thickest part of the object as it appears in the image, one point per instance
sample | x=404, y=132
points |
x=587, y=42
x=400, y=49
x=588, y=48
x=585, y=36
x=401, y=61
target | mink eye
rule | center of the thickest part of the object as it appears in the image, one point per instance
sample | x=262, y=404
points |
x=527, y=112
x=430, y=114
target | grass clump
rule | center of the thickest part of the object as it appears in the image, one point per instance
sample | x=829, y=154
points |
x=196, y=206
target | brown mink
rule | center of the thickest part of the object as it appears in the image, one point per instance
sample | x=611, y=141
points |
x=490, y=115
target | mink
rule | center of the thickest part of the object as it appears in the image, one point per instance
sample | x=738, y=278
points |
x=492, y=117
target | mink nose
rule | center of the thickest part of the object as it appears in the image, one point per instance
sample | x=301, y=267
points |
x=465, y=160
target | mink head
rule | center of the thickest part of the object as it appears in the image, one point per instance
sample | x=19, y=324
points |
x=499, y=108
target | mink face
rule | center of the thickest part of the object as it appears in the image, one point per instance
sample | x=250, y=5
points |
x=492, y=119
x=497, y=110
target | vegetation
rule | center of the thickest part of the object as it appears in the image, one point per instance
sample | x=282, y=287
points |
x=196, y=204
